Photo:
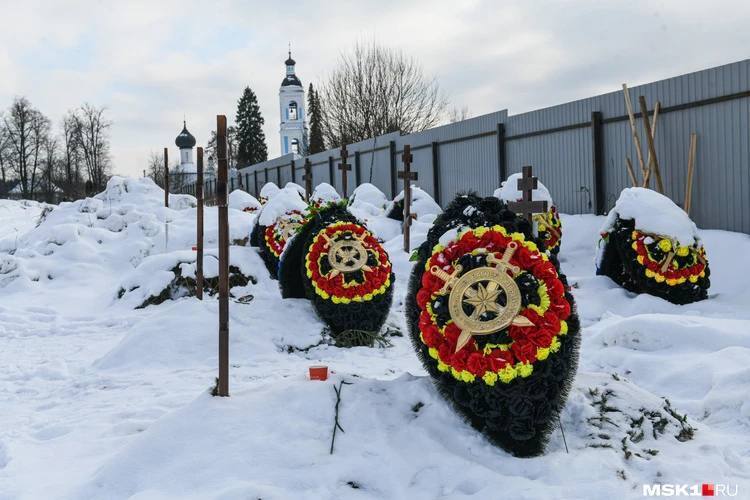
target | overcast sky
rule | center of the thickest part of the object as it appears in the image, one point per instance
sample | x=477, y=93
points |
x=152, y=62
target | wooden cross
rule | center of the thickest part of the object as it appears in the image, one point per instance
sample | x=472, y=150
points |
x=344, y=167
x=526, y=208
x=308, y=178
x=407, y=175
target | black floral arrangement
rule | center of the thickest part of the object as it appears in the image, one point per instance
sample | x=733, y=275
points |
x=648, y=261
x=342, y=268
x=493, y=322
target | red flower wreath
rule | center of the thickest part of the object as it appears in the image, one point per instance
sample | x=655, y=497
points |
x=529, y=344
x=666, y=261
x=358, y=286
x=274, y=236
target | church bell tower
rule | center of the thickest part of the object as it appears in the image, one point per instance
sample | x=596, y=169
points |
x=292, y=131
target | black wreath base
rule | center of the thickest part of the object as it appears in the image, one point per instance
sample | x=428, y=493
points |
x=397, y=211
x=518, y=416
x=619, y=263
x=256, y=236
x=366, y=316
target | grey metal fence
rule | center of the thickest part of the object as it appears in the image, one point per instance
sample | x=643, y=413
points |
x=577, y=149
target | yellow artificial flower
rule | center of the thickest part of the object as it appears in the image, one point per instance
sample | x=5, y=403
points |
x=542, y=353
x=507, y=374
x=524, y=369
x=665, y=245
x=490, y=378
x=683, y=251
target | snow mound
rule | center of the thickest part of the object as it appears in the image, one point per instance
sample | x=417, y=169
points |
x=422, y=204
x=400, y=441
x=653, y=213
x=324, y=193
x=123, y=190
x=283, y=202
x=368, y=200
x=170, y=276
x=241, y=200
x=297, y=187
x=508, y=191
x=269, y=190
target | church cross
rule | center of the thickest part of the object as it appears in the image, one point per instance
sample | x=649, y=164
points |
x=526, y=208
x=407, y=175
x=344, y=167
x=308, y=178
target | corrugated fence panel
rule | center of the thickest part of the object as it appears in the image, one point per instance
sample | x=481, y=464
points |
x=468, y=166
x=563, y=159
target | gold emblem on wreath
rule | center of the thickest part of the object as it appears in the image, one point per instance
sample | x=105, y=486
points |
x=288, y=228
x=346, y=255
x=480, y=289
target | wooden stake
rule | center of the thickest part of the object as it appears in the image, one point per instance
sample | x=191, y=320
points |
x=308, y=179
x=653, y=163
x=690, y=172
x=407, y=175
x=526, y=208
x=199, y=228
x=631, y=173
x=344, y=167
x=166, y=177
x=222, y=384
x=657, y=107
x=633, y=130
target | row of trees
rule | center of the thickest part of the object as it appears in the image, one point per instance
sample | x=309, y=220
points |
x=38, y=162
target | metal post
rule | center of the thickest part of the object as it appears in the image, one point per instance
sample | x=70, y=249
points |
x=222, y=385
x=199, y=228
x=597, y=156
x=502, y=166
x=436, y=171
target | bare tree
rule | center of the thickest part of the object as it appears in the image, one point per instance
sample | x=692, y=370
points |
x=72, y=157
x=93, y=139
x=26, y=129
x=210, y=150
x=4, y=158
x=375, y=90
x=457, y=114
x=155, y=168
x=48, y=177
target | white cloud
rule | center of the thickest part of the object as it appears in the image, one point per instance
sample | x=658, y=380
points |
x=152, y=62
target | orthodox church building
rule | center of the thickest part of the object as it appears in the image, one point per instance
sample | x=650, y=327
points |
x=293, y=131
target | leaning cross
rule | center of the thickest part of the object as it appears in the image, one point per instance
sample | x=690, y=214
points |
x=344, y=167
x=308, y=178
x=407, y=175
x=526, y=207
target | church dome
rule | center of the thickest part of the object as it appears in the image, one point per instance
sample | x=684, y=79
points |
x=291, y=80
x=185, y=140
x=290, y=61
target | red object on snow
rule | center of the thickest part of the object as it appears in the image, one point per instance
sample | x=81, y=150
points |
x=318, y=373
x=195, y=249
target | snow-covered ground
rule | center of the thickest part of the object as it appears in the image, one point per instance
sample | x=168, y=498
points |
x=102, y=400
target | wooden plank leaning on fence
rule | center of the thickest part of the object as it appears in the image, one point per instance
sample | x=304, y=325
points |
x=633, y=131
x=653, y=164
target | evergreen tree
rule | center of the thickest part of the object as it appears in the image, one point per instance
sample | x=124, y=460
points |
x=250, y=140
x=316, y=143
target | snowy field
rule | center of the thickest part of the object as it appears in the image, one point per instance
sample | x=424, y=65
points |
x=99, y=399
